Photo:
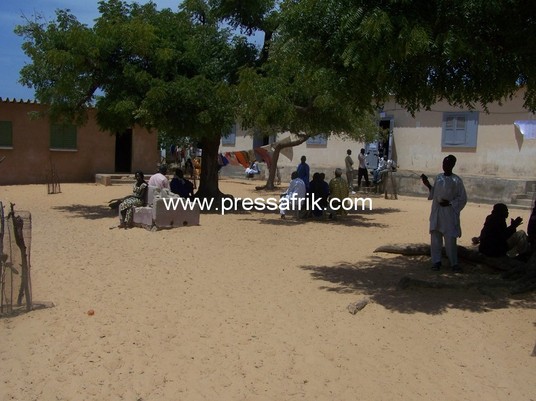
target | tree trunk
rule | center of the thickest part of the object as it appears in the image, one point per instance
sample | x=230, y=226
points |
x=275, y=157
x=208, y=182
x=471, y=255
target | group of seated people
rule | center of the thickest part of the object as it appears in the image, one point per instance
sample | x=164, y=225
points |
x=178, y=185
x=498, y=240
x=301, y=197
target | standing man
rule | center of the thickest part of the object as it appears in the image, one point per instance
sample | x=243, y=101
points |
x=303, y=172
x=362, y=171
x=448, y=199
x=349, y=163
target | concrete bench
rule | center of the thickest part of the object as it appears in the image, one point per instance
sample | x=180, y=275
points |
x=156, y=214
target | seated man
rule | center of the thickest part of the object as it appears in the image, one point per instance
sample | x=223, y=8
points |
x=252, y=170
x=159, y=180
x=292, y=198
x=338, y=191
x=496, y=239
x=318, y=194
x=378, y=172
x=181, y=186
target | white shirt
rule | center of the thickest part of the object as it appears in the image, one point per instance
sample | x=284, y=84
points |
x=382, y=164
x=361, y=159
x=390, y=165
x=159, y=180
x=296, y=186
x=253, y=169
x=446, y=219
x=294, y=195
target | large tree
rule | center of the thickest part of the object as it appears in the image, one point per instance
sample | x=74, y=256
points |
x=173, y=71
x=324, y=64
x=467, y=52
x=334, y=61
x=285, y=93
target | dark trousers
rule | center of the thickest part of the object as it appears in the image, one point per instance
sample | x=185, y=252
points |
x=362, y=172
x=350, y=179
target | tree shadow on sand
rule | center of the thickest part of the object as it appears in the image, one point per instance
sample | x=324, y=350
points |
x=360, y=218
x=90, y=212
x=380, y=278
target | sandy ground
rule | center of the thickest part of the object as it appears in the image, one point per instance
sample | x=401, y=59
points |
x=247, y=306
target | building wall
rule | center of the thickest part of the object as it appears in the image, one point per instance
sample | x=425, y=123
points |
x=30, y=159
x=319, y=156
x=501, y=150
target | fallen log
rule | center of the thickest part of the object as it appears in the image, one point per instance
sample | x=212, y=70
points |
x=518, y=276
x=405, y=249
x=471, y=255
x=412, y=282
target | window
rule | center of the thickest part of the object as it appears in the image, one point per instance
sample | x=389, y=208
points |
x=460, y=129
x=229, y=139
x=318, y=140
x=63, y=137
x=6, y=134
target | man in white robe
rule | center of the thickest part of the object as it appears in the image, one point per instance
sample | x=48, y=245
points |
x=293, y=196
x=448, y=199
x=252, y=170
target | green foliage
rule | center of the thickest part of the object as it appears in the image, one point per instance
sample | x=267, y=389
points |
x=64, y=68
x=299, y=89
x=138, y=65
x=330, y=62
x=250, y=15
x=467, y=52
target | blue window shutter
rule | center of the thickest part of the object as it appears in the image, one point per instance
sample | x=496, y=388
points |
x=318, y=140
x=459, y=129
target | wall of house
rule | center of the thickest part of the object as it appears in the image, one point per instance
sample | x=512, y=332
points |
x=145, y=152
x=319, y=157
x=501, y=150
x=30, y=160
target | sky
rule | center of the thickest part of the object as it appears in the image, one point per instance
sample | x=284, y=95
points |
x=15, y=12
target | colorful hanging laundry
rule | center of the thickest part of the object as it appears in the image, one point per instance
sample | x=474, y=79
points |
x=264, y=155
x=241, y=156
x=232, y=159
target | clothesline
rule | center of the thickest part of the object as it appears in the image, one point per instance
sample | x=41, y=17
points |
x=264, y=153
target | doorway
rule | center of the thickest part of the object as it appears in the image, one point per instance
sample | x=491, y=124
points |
x=385, y=144
x=123, y=151
x=259, y=140
x=382, y=146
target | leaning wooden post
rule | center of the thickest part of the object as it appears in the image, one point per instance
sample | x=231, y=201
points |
x=18, y=224
x=2, y=259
